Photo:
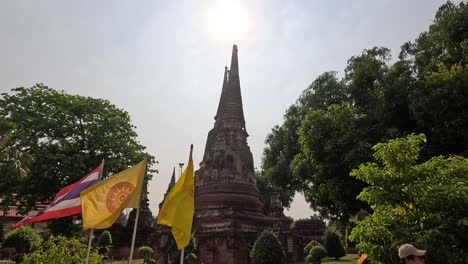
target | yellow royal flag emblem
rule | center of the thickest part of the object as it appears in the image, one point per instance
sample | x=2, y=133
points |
x=103, y=203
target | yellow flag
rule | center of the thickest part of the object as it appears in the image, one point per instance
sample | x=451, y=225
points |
x=103, y=202
x=178, y=208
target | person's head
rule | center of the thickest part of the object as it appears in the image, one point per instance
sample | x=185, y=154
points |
x=409, y=254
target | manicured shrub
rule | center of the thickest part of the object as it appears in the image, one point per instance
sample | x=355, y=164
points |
x=267, y=249
x=147, y=253
x=105, y=240
x=23, y=239
x=333, y=244
x=310, y=245
x=316, y=254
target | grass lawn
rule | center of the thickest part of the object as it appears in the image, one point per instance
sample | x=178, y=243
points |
x=350, y=258
x=134, y=261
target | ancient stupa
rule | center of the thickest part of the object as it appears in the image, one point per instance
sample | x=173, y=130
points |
x=228, y=211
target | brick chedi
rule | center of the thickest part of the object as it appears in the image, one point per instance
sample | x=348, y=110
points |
x=228, y=211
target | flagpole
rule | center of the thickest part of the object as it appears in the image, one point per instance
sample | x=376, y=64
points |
x=182, y=256
x=92, y=229
x=181, y=165
x=133, y=236
x=89, y=245
x=136, y=221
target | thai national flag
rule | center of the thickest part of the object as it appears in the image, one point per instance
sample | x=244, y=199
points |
x=66, y=202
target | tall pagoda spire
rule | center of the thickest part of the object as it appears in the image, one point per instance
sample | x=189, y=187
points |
x=228, y=209
x=221, y=99
x=169, y=187
x=230, y=105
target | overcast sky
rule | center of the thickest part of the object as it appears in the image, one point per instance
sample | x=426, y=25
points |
x=163, y=61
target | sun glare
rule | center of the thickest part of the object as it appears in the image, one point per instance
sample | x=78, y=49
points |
x=228, y=20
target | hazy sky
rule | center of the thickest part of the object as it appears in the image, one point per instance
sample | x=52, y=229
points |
x=163, y=61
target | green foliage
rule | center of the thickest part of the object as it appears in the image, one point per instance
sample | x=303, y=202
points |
x=191, y=258
x=316, y=254
x=364, y=74
x=67, y=226
x=440, y=108
x=266, y=190
x=62, y=250
x=23, y=239
x=192, y=246
x=424, y=204
x=309, y=246
x=439, y=58
x=67, y=136
x=333, y=244
x=445, y=42
x=332, y=126
x=14, y=162
x=147, y=253
x=267, y=249
x=105, y=241
x=321, y=134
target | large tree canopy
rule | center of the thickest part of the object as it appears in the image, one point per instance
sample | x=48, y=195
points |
x=66, y=136
x=332, y=126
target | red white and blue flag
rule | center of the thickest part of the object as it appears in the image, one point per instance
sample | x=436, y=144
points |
x=66, y=202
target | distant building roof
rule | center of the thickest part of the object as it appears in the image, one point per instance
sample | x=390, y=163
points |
x=14, y=212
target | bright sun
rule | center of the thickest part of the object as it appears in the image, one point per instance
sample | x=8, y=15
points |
x=228, y=20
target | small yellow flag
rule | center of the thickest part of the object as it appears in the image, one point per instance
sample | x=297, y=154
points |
x=103, y=203
x=178, y=208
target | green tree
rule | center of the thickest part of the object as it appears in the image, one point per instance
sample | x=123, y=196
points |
x=267, y=249
x=333, y=141
x=282, y=144
x=333, y=244
x=440, y=108
x=65, y=226
x=14, y=163
x=425, y=91
x=439, y=59
x=62, y=250
x=445, y=42
x=424, y=204
x=67, y=136
x=364, y=75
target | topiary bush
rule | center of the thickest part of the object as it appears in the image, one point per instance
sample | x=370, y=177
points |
x=147, y=253
x=333, y=244
x=316, y=254
x=105, y=240
x=310, y=245
x=267, y=249
x=23, y=239
x=104, y=243
x=62, y=250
